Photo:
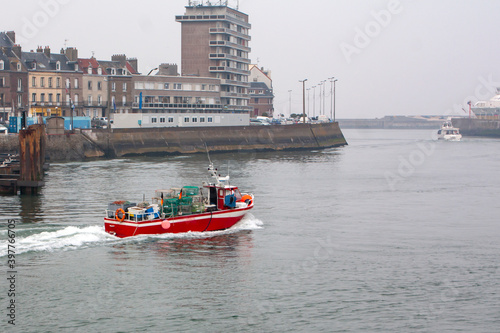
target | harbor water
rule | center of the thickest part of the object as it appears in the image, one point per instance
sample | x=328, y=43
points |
x=396, y=232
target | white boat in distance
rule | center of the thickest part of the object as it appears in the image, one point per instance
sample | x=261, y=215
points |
x=448, y=132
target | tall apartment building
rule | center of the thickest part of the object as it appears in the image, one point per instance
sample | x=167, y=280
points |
x=215, y=43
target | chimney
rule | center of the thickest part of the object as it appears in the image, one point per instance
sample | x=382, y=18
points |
x=47, y=51
x=39, y=49
x=12, y=36
x=168, y=69
x=72, y=54
x=16, y=49
x=134, y=63
x=119, y=57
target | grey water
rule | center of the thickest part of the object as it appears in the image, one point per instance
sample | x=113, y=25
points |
x=396, y=232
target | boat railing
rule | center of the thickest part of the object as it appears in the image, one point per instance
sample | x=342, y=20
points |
x=135, y=217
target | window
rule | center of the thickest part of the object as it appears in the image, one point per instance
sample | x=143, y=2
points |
x=99, y=85
x=90, y=100
x=33, y=98
x=124, y=86
x=58, y=66
x=99, y=71
x=154, y=120
x=124, y=100
x=58, y=82
x=67, y=83
x=19, y=84
x=177, y=86
x=167, y=86
x=2, y=66
x=19, y=67
x=113, y=86
x=50, y=82
x=202, y=119
x=195, y=120
x=90, y=85
x=42, y=97
x=89, y=70
x=76, y=83
x=162, y=119
x=58, y=98
x=209, y=120
x=33, y=81
x=2, y=81
x=19, y=101
x=76, y=99
x=203, y=87
x=186, y=119
x=50, y=98
x=113, y=71
x=42, y=82
x=170, y=119
x=99, y=100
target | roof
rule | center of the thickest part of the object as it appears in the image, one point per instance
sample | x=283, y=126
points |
x=86, y=63
x=44, y=63
x=5, y=40
x=261, y=86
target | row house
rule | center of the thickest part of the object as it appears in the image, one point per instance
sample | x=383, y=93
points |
x=261, y=92
x=13, y=78
x=119, y=71
x=107, y=85
x=54, y=82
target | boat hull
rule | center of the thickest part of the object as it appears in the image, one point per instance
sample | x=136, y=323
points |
x=209, y=221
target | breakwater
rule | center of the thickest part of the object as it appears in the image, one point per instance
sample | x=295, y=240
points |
x=103, y=143
x=478, y=127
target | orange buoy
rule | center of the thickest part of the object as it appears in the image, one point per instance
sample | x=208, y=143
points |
x=165, y=225
x=246, y=197
x=120, y=210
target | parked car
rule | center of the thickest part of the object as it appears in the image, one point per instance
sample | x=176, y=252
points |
x=260, y=122
x=3, y=130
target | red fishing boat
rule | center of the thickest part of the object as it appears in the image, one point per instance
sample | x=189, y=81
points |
x=214, y=206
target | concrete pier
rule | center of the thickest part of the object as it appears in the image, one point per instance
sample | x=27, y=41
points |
x=105, y=143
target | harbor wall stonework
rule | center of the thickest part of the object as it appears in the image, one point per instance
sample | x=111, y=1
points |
x=102, y=143
x=478, y=127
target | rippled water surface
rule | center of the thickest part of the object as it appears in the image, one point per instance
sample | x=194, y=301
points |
x=394, y=233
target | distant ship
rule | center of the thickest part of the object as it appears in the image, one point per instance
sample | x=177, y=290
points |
x=488, y=109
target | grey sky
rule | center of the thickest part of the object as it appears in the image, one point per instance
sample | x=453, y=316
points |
x=391, y=57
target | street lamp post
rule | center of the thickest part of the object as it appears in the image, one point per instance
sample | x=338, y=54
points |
x=331, y=93
x=320, y=103
x=303, y=99
x=334, y=99
x=290, y=102
x=314, y=100
x=324, y=96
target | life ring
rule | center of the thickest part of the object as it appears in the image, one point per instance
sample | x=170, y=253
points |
x=246, y=197
x=123, y=214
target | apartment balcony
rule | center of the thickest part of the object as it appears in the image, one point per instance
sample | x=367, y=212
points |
x=224, y=69
x=225, y=56
x=230, y=32
x=225, y=43
x=228, y=94
x=235, y=83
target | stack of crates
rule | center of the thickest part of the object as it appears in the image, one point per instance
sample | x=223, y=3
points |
x=171, y=206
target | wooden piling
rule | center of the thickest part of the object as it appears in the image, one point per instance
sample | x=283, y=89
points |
x=32, y=158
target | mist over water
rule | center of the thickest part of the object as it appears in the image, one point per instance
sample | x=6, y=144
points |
x=395, y=232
